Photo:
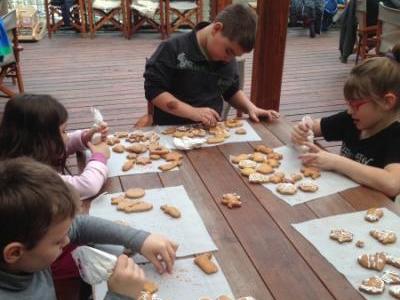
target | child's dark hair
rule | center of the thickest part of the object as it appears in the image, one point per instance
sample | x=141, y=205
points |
x=375, y=77
x=31, y=127
x=32, y=197
x=239, y=25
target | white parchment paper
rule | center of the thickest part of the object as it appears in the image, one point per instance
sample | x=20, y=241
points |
x=344, y=256
x=188, y=231
x=187, y=282
x=329, y=182
x=250, y=136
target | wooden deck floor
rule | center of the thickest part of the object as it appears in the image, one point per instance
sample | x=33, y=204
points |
x=107, y=72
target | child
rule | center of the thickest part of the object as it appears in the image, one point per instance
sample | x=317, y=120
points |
x=35, y=126
x=37, y=217
x=369, y=129
x=189, y=75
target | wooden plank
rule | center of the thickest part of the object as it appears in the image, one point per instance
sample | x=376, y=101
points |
x=236, y=265
x=275, y=258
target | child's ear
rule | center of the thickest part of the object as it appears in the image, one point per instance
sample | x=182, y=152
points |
x=390, y=100
x=217, y=27
x=13, y=252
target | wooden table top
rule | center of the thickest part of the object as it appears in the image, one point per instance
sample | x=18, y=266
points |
x=259, y=252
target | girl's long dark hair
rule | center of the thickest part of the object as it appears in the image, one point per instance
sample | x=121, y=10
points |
x=31, y=127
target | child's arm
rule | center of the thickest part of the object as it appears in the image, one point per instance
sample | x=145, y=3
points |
x=87, y=229
x=240, y=101
x=170, y=104
x=91, y=180
x=79, y=139
x=386, y=180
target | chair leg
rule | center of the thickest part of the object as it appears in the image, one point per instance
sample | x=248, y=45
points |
x=19, y=78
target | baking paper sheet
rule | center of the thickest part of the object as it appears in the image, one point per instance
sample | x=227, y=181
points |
x=188, y=231
x=344, y=256
x=250, y=136
x=329, y=182
x=187, y=282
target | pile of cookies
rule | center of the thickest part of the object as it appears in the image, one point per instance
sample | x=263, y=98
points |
x=141, y=143
x=132, y=202
x=213, y=135
x=261, y=167
x=375, y=285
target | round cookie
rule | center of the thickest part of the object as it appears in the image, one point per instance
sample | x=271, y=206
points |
x=286, y=188
x=134, y=193
x=308, y=186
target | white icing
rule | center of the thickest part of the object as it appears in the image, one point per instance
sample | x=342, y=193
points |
x=247, y=163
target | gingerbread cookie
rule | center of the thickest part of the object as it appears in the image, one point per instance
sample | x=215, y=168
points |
x=263, y=149
x=275, y=155
x=128, y=165
x=205, y=264
x=215, y=139
x=171, y=210
x=264, y=168
x=273, y=162
x=247, y=163
x=296, y=177
x=373, y=285
x=258, y=178
x=136, y=148
x=286, y=188
x=233, y=123
x=173, y=156
x=277, y=177
x=395, y=291
x=134, y=193
x=112, y=140
x=150, y=287
x=143, y=160
x=375, y=261
x=121, y=134
x=224, y=297
x=258, y=157
x=231, y=200
x=131, y=156
x=247, y=171
x=384, y=236
x=158, y=149
x=240, y=131
x=134, y=206
x=308, y=186
x=341, y=235
x=393, y=261
x=170, y=165
x=116, y=200
x=118, y=148
x=238, y=158
x=360, y=244
x=373, y=214
x=312, y=172
x=390, y=277
x=154, y=156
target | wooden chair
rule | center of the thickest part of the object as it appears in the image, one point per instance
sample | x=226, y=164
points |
x=139, y=13
x=54, y=16
x=109, y=12
x=388, y=28
x=366, y=34
x=10, y=67
x=180, y=13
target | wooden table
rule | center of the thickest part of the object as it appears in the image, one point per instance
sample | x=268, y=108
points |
x=259, y=251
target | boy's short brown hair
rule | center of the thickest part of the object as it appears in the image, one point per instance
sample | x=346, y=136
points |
x=239, y=25
x=32, y=197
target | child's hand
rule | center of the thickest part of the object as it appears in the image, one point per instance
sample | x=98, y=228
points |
x=207, y=116
x=157, y=249
x=103, y=130
x=255, y=113
x=319, y=158
x=300, y=133
x=102, y=148
x=127, y=279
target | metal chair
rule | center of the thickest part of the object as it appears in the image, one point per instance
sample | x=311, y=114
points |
x=389, y=28
x=9, y=67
